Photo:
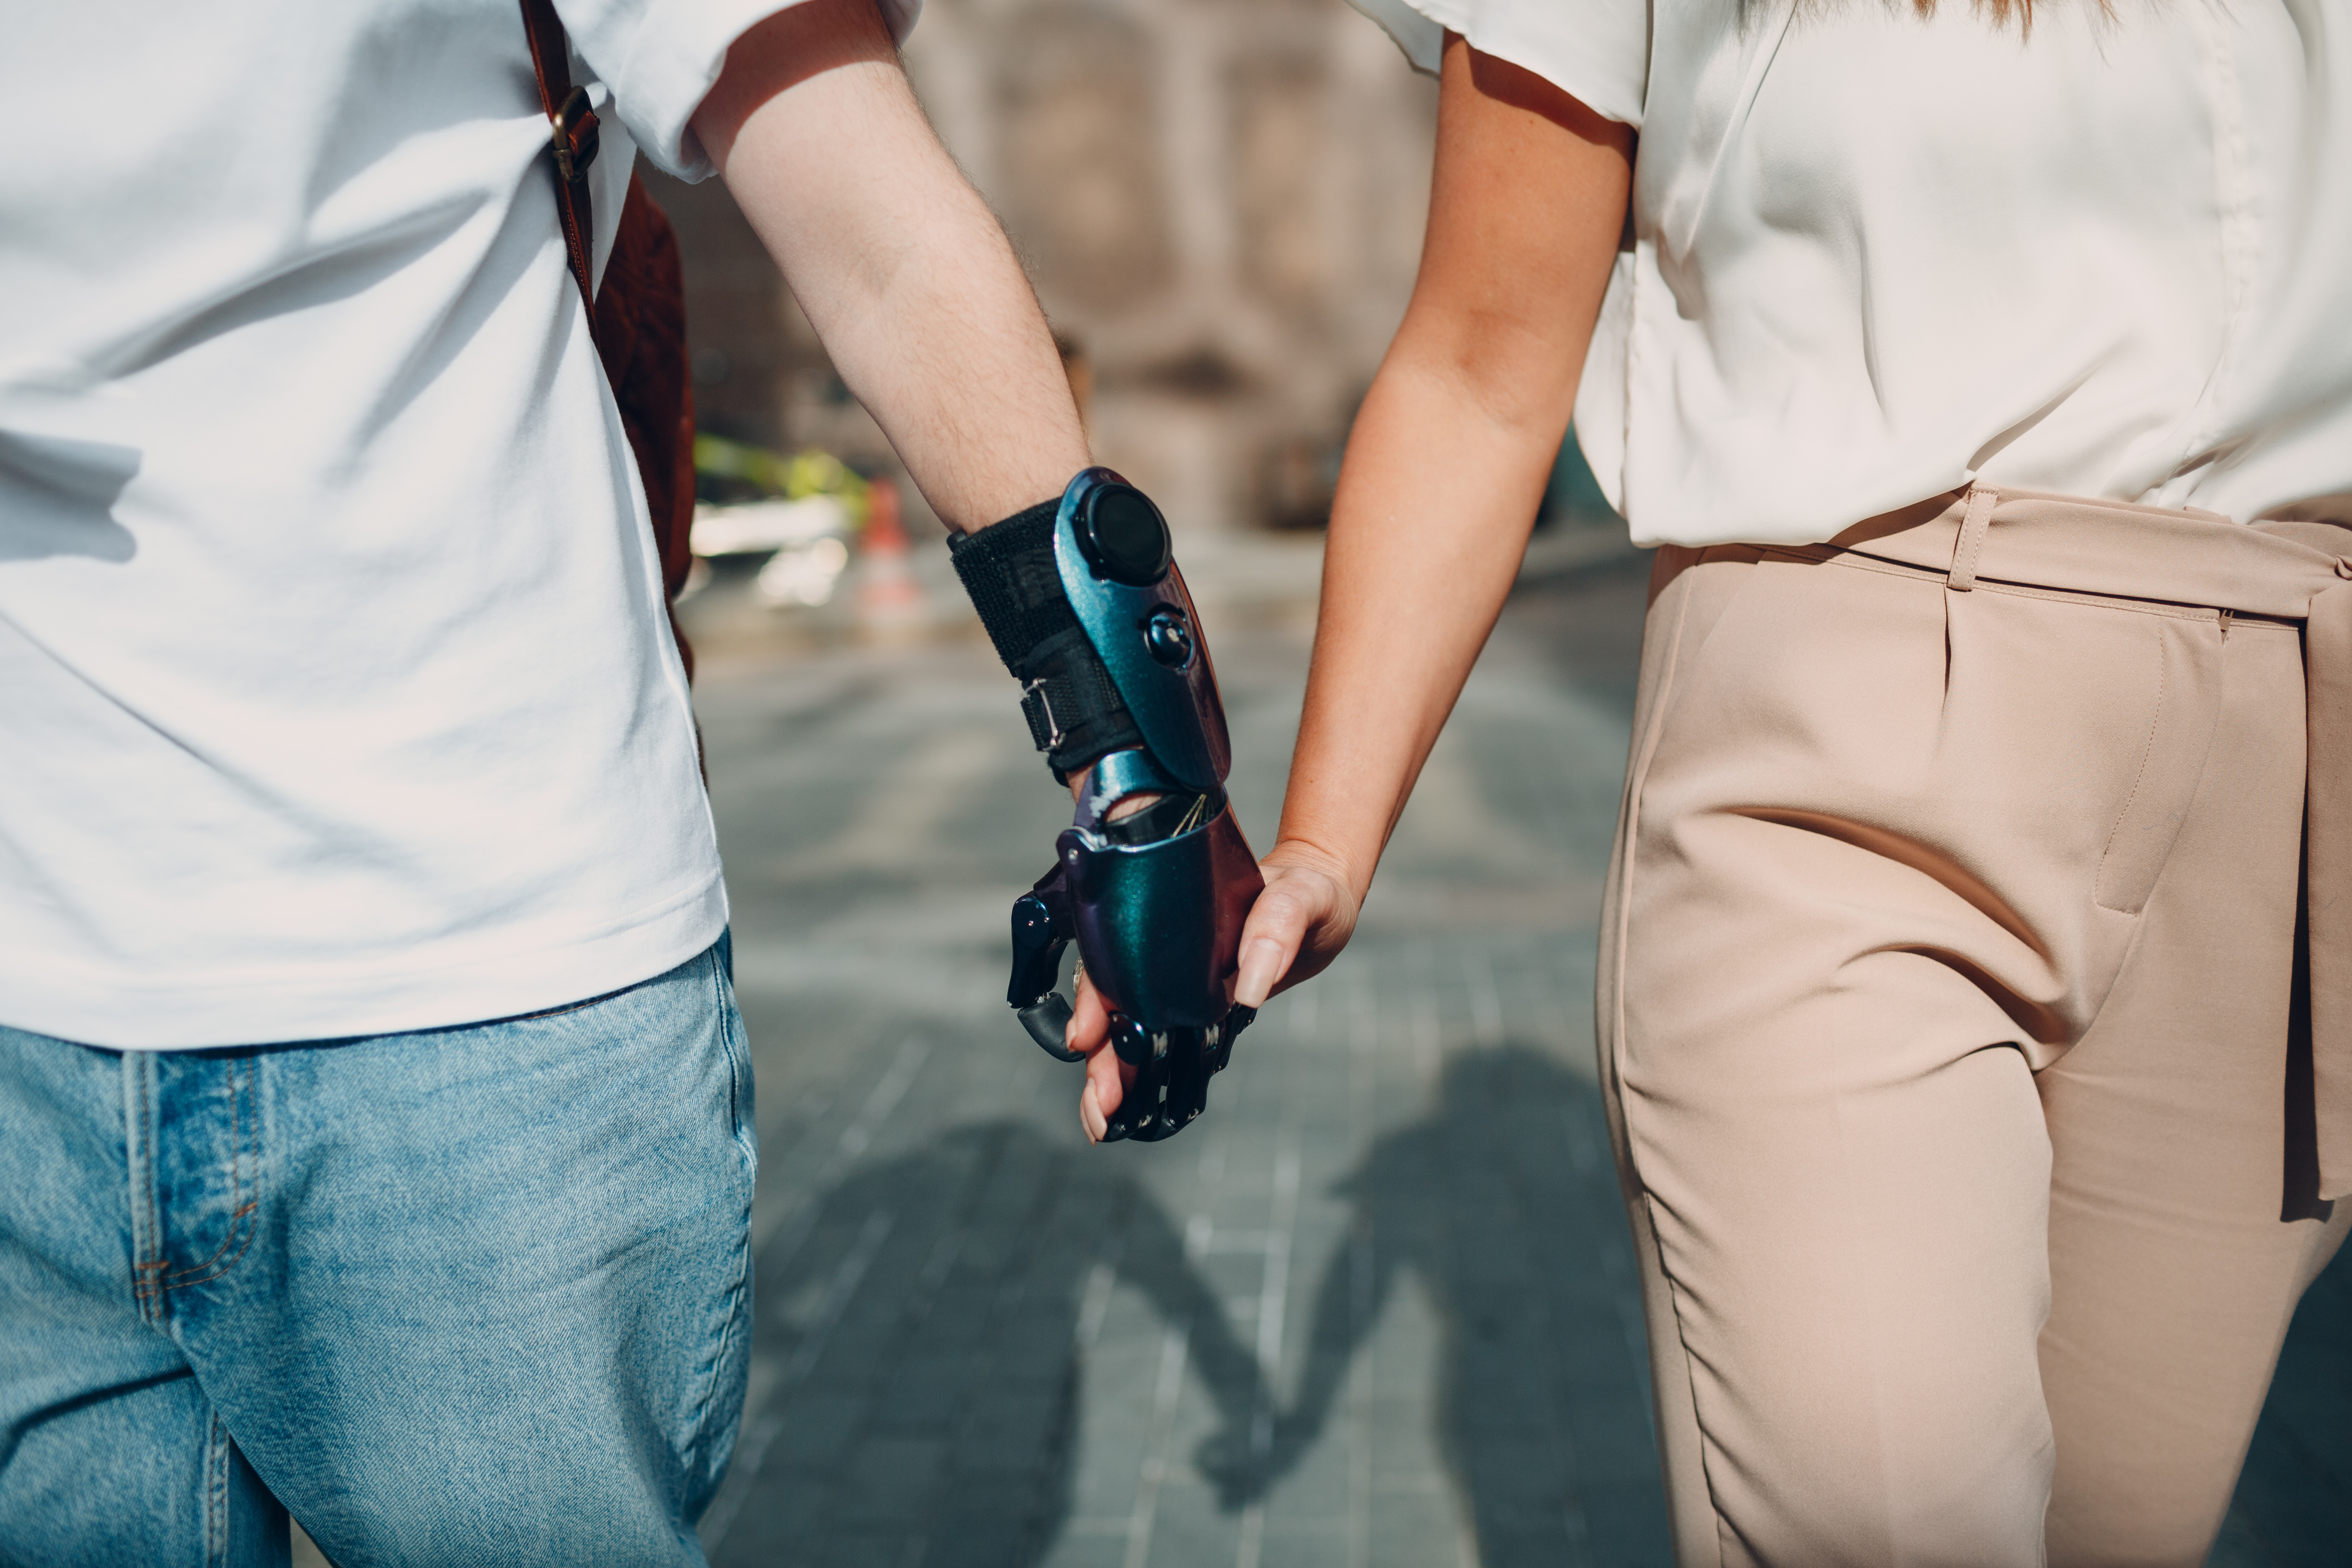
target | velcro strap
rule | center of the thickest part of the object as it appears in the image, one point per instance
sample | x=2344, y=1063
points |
x=1008, y=570
x=1075, y=712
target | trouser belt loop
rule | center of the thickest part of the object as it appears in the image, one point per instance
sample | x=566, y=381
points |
x=1982, y=498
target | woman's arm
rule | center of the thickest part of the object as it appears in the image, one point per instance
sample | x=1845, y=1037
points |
x=1445, y=469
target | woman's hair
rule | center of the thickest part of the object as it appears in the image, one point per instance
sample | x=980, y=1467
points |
x=2000, y=11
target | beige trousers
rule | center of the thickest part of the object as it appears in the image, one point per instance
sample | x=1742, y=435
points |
x=1954, y=1023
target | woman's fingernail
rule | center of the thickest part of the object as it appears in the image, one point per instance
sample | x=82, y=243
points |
x=1261, y=967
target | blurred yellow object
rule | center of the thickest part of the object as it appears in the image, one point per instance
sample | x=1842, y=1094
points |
x=796, y=477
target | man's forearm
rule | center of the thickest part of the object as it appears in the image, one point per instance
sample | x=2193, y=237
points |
x=903, y=271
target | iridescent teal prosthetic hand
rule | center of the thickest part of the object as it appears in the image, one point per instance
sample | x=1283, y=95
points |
x=1083, y=600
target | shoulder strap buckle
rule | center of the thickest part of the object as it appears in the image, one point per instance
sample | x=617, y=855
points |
x=574, y=128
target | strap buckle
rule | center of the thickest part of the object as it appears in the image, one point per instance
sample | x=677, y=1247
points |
x=574, y=128
x=1043, y=727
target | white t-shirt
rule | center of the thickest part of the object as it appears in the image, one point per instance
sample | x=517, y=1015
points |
x=335, y=693
x=1875, y=256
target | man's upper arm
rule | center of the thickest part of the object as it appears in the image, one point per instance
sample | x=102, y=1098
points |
x=782, y=52
x=659, y=60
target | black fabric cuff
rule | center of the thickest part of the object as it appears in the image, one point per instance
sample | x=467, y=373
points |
x=1008, y=570
x=1075, y=712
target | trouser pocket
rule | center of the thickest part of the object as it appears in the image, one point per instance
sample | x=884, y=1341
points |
x=2183, y=674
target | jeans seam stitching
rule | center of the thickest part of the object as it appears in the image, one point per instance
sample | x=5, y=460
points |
x=738, y=1289
x=241, y=1220
x=146, y=1213
x=736, y=1294
x=215, y=1266
x=216, y=1493
x=585, y=1002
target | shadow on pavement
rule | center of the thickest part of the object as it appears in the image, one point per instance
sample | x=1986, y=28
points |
x=1502, y=1203
x=2294, y=1507
x=930, y=1324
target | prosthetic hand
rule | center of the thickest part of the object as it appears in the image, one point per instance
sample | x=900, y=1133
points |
x=1083, y=600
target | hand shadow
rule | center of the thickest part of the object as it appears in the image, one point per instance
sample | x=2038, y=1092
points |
x=934, y=1314
x=1504, y=1203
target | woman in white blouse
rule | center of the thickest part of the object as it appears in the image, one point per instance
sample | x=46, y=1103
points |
x=1978, y=1069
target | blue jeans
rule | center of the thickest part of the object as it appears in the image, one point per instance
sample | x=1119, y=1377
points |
x=466, y=1296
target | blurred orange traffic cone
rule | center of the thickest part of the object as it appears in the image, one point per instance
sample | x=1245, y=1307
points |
x=889, y=597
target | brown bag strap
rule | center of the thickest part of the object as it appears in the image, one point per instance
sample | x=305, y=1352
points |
x=639, y=327
x=574, y=125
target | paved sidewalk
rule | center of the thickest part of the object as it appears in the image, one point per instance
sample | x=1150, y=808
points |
x=1376, y=1308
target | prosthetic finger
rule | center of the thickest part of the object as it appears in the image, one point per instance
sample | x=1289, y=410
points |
x=1153, y=878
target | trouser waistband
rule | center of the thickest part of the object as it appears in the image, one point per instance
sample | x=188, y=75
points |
x=2299, y=572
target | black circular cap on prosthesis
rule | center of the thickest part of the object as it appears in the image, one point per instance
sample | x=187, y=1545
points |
x=1124, y=537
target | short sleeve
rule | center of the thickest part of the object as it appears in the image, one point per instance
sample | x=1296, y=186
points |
x=1596, y=51
x=659, y=58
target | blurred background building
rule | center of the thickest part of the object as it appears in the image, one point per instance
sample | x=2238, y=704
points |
x=1219, y=201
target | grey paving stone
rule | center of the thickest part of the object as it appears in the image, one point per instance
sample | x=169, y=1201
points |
x=1323, y=1547
x=1621, y=1522
x=1107, y=1484
x=861, y=1549
x=2293, y=1506
x=819, y=1433
x=1596, y=1425
x=1073, y=1550
x=785, y=1511
x=880, y=1476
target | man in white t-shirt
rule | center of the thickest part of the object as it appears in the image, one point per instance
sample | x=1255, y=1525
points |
x=377, y=1136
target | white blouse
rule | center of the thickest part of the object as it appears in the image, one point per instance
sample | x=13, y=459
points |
x=1874, y=257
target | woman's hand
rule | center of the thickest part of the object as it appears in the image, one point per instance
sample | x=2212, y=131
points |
x=1294, y=930
x=1107, y=1077
x=1298, y=924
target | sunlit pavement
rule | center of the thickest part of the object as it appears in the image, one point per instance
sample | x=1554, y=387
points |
x=1375, y=1307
